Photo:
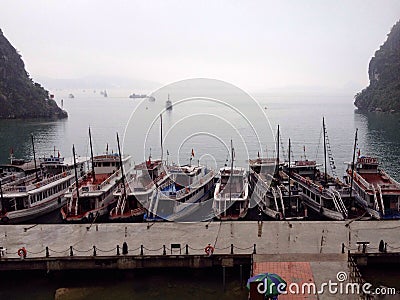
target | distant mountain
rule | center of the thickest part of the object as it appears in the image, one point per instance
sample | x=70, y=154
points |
x=98, y=82
x=383, y=92
x=20, y=97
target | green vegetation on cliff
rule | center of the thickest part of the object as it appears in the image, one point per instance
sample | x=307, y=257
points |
x=20, y=97
x=383, y=92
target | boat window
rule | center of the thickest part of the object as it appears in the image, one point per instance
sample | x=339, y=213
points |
x=106, y=164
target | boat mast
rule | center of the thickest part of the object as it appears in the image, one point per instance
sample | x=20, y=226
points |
x=76, y=175
x=289, y=171
x=162, y=149
x=326, y=174
x=121, y=165
x=277, y=152
x=352, y=164
x=231, y=178
x=91, y=155
x=34, y=157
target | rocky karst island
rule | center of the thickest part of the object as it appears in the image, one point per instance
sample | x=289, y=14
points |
x=383, y=92
x=20, y=96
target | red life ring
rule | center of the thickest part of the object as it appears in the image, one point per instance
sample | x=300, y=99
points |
x=209, y=250
x=22, y=252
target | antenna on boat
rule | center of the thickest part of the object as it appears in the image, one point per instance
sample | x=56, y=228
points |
x=121, y=166
x=34, y=157
x=289, y=171
x=326, y=174
x=76, y=174
x=352, y=164
x=91, y=155
x=161, y=136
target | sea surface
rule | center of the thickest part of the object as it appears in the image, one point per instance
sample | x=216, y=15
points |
x=203, y=124
x=207, y=128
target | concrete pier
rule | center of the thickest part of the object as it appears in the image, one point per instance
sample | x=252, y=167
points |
x=275, y=238
x=306, y=251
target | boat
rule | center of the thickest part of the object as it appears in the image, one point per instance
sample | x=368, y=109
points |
x=374, y=190
x=104, y=93
x=269, y=188
x=231, y=195
x=37, y=194
x=323, y=197
x=187, y=187
x=140, y=188
x=136, y=96
x=71, y=96
x=94, y=197
x=168, y=104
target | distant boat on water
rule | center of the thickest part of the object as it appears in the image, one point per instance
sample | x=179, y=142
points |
x=104, y=93
x=134, y=96
x=168, y=104
x=71, y=96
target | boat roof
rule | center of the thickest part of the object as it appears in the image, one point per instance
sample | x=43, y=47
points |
x=227, y=171
x=110, y=157
x=263, y=161
x=67, y=161
x=185, y=169
x=367, y=160
x=149, y=165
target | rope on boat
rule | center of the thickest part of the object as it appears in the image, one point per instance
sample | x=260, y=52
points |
x=195, y=249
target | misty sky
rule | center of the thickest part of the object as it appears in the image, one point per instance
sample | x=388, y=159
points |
x=256, y=45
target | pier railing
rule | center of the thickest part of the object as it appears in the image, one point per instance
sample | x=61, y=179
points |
x=138, y=250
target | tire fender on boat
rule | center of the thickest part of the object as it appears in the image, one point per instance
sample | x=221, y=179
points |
x=5, y=220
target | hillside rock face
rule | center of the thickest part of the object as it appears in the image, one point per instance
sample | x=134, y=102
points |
x=20, y=97
x=383, y=92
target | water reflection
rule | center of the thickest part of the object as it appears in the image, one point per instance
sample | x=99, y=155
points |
x=380, y=137
x=16, y=135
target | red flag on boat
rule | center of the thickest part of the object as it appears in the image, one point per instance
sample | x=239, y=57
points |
x=359, y=153
x=192, y=152
x=58, y=154
x=258, y=154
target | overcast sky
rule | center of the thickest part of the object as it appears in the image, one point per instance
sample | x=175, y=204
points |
x=256, y=45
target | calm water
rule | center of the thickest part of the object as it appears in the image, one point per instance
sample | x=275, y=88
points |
x=207, y=127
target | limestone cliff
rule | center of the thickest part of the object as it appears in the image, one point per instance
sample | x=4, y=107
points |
x=20, y=97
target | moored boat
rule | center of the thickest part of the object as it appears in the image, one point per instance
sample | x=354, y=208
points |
x=269, y=188
x=231, y=200
x=37, y=194
x=374, y=190
x=141, y=186
x=179, y=197
x=92, y=196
